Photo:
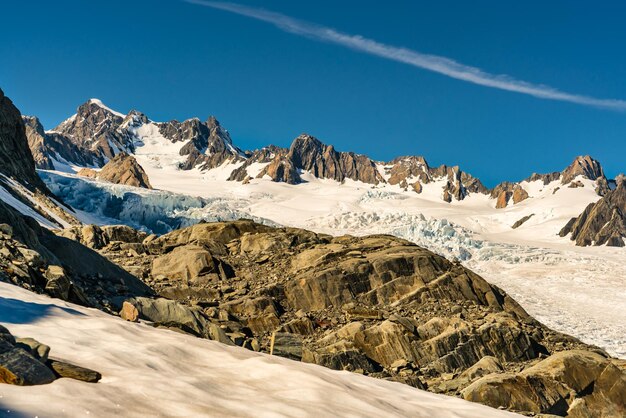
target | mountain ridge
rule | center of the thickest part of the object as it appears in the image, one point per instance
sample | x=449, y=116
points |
x=96, y=133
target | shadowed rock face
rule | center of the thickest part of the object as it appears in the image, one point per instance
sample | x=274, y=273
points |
x=16, y=160
x=122, y=169
x=602, y=222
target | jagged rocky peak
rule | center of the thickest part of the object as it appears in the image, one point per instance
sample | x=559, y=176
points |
x=122, y=169
x=209, y=144
x=584, y=166
x=414, y=171
x=92, y=119
x=602, y=222
x=95, y=127
x=323, y=161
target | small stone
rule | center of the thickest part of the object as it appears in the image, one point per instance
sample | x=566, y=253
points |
x=129, y=312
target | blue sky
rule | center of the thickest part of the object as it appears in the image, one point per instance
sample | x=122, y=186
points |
x=171, y=59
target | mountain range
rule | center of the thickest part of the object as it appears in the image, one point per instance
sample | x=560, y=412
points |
x=96, y=134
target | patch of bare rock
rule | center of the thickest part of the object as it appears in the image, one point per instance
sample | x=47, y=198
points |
x=121, y=169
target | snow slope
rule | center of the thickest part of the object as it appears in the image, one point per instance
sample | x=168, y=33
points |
x=139, y=364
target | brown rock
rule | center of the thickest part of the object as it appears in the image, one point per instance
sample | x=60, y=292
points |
x=71, y=371
x=129, y=312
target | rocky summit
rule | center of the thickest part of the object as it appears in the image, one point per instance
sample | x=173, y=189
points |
x=375, y=305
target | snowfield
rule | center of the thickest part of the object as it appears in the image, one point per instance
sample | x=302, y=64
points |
x=579, y=291
x=140, y=363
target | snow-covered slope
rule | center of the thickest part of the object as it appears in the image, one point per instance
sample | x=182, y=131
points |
x=139, y=364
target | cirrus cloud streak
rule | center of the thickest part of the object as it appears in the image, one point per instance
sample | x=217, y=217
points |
x=435, y=63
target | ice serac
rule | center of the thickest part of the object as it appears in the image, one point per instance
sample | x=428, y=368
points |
x=602, y=222
x=122, y=169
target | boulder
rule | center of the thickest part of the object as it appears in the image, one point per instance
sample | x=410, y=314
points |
x=170, y=313
x=129, y=312
x=188, y=264
x=57, y=284
x=19, y=367
x=483, y=367
x=71, y=371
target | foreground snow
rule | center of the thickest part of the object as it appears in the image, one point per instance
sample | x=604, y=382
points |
x=579, y=291
x=154, y=372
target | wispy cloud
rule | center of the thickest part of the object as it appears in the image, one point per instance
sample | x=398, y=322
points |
x=438, y=64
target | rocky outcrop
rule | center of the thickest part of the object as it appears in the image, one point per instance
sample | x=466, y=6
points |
x=281, y=169
x=376, y=305
x=506, y=192
x=122, y=169
x=521, y=221
x=573, y=383
x=414, y=172
x=17, y=170
x=37, y=259
x=602, y=222
x=25, y=362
